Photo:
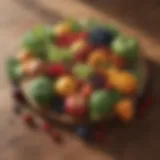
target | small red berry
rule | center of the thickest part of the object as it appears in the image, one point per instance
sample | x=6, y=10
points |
x=57, y=136
x=47, y=127
x=28, y=119
x=56, y=70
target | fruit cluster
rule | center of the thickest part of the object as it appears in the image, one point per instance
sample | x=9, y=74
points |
x=84, y=70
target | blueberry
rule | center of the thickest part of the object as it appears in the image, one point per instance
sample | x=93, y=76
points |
x=58, y=104
x=100, y=36
x=97, y=81
x=83, y=132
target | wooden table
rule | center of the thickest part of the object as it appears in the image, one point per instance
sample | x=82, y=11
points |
x=139, y=141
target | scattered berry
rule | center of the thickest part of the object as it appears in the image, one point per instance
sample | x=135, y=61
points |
x=83, y=132
x=57, y=136
x=47, y=127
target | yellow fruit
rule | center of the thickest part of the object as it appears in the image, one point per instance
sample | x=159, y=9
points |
x=112, y=75
x=65, y=85
x=122, y=81
x=125, y=110
x=78, y=46
x=24, y=56
x=62, y=29
x=97, y=58
x=126, y=83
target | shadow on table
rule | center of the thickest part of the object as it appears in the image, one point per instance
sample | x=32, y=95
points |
x=143, y=15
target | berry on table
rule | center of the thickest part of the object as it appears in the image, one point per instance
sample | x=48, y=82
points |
x=28, y=119
x=56, y=135
x=83, y=132
x=47, y=127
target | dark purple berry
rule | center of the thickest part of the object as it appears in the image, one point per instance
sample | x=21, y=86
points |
x=58, y=103
x=100, y=36
x=18, y=95
x=97, y=81
x=83, y=132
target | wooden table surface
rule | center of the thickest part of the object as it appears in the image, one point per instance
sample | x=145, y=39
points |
x=139, y=141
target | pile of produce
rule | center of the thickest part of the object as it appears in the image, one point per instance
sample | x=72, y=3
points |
x=86, y=70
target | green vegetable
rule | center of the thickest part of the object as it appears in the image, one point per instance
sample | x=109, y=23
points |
x=126, y=47
x=41, y=90
x=38, y=40
x=102, y=102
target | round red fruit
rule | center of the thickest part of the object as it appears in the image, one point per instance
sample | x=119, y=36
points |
x=75, y=106
x=56, y=70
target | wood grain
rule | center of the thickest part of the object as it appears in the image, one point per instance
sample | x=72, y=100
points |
x=138, y=141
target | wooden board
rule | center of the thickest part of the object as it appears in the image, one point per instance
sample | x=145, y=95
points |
x=139, y=141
